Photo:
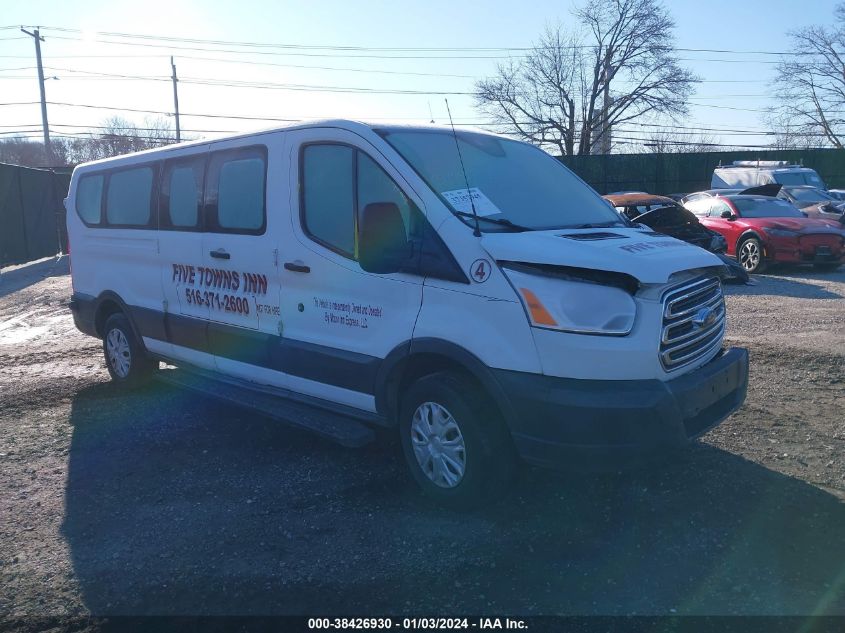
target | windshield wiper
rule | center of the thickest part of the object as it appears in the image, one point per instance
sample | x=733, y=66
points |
x=499, y=221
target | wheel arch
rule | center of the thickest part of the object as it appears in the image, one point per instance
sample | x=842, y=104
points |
x=420, y=357
x=747, y=234
x=107, y=304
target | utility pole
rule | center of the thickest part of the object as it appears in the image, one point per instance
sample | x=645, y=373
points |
x=38, y=39
x=605, y=132
x=176, y=101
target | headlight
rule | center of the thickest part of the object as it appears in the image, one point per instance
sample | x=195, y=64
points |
x=780, y=232
x=573, y=306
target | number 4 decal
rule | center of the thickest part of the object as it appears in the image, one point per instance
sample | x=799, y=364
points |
x=480, y=270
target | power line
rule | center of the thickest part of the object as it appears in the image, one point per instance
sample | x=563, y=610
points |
x=315, y=87
x=278, y=53
x=254, y=44
x=694, y=128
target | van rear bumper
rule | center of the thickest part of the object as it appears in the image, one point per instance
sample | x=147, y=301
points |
x=83, y=307
x=600, y=424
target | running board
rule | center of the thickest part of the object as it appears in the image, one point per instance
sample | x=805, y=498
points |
x=342, y=429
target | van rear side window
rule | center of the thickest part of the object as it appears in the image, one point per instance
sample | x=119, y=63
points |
x=129, y=196
x=181, y=194
x=241, y=202
x=235, y=191
x=89, y=196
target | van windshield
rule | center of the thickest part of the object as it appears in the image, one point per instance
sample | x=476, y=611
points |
x=508, y=180
x=808, y=177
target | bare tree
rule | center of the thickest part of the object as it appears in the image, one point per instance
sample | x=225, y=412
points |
x=572, y=87
x=810, y=86
x=670, y=141
x=115, y=136
x=786, y=133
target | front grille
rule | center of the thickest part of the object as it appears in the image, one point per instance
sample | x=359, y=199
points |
x=689, y=331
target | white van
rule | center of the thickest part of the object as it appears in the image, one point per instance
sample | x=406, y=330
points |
x=743, y=174
x=344, y=276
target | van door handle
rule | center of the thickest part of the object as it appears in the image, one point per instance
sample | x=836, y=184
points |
x=297, y=267
x=220, y=254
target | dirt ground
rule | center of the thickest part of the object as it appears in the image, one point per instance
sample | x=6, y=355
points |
x=159, y=502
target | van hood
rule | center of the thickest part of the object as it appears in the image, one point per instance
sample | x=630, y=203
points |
x=650, y=257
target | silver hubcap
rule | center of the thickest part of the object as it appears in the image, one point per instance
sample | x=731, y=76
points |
x=438, y=445
x=749, y=255
x=117, y=350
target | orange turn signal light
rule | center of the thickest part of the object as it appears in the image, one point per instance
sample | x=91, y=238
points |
x=539, y=314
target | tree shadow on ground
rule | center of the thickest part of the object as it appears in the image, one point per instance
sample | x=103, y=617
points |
x=180, y=505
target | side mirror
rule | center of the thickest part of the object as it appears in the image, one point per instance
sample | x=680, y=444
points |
x=728, y=215
x=383, y=246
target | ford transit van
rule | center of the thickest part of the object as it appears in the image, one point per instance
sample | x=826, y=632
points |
x=744, y=174
x=462, y=288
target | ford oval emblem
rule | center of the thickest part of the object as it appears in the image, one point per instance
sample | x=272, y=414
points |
x=704, y=318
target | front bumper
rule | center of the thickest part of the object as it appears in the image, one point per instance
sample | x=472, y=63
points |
x=608, y=423
x=812, y=248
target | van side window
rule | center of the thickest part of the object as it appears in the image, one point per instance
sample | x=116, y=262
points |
x=337, y=183
x=129, y=197
x=374, y=185
x=235, y=191
x=181, y=194
x=328, y=203
x=89, y=198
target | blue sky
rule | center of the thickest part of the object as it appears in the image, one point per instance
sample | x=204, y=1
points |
x=758, y=25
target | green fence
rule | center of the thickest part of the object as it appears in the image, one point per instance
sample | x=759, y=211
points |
x=684, y=173
x=32, y=220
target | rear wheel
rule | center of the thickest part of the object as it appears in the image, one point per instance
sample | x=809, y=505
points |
x=749, y=254
x=454, y=441
x=125, y=358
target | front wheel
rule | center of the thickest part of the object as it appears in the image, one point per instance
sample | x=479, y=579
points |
x=454, y=441
x=750, y=255
x=125, y=358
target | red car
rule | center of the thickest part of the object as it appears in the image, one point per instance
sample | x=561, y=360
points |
x=761, y=229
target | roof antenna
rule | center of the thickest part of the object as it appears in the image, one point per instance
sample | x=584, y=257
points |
x=431, y=114
x=477, y=231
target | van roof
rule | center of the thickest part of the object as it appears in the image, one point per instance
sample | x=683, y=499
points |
x=765, y=165
x=345, y=124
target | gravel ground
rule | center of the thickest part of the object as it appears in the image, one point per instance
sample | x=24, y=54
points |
x=159, y=502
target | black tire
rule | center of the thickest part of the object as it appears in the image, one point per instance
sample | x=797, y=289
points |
x=138, y=367
x=489, y=456
x=745, y=255
x=826, y=268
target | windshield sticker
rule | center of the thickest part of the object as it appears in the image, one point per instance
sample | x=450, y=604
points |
x=460, y=201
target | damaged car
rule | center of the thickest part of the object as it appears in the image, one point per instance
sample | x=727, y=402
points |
x=664, y=215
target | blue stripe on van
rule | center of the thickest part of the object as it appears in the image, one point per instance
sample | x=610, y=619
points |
x=336, y=367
